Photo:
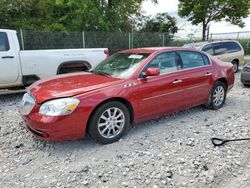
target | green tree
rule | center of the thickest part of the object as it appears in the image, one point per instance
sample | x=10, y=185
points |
x=205, y=11
x=161, y=23
x=69, y=15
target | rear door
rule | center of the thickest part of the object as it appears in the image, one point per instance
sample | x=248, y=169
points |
x=8, y=61
x=197, y=77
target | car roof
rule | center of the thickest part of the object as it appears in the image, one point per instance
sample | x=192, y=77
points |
x=199, y=44
x=154, y=49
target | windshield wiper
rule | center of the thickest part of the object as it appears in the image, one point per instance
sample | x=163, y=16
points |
x=100, y=73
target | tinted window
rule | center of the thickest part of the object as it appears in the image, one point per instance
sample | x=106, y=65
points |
x=191, y=59
x=206, y=59
x=208, y=49
x=166, y=62
x=4, y=43
x=226, y=47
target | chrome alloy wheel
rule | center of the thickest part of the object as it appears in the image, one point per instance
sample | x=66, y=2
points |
x=218, y=96
x=111, y=122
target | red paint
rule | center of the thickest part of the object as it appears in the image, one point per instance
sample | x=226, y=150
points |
x=150, y=97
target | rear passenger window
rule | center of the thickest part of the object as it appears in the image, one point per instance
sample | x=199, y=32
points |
x=206, y=59
x=233, y=47
x=4, y=43
x=192, y=59
x=208, y=49
x=226, y=47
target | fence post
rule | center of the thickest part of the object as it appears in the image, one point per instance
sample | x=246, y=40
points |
x=129, y=45
x=132, y=39
x=163, y=39
x=83, y=40
x=211, y=36
x=238, y=35
x=22, y=41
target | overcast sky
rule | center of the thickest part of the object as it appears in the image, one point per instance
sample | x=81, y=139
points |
x=171, y=7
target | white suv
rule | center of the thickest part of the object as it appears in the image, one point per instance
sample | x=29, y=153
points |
x=225, y=50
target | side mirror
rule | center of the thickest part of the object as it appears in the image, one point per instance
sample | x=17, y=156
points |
x=151, y=72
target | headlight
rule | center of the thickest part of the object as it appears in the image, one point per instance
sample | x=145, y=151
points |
x=59, y=107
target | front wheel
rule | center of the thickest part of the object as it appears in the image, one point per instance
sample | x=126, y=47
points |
x=217, y=96
x=109, y=122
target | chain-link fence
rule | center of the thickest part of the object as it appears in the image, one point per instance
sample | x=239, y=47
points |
x=115, y=41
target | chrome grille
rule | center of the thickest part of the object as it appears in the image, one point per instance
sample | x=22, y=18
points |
x=247, y=69
x=27, y=104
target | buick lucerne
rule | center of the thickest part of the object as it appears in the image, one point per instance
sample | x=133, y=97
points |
x=128, y=87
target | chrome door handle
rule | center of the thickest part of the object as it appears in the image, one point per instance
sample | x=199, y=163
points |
x=208, y=74
x=177, y=81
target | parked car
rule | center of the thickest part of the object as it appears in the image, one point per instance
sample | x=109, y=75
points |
x=127, y=88
x=245, y=75
x=22, y=68
x=225, y=50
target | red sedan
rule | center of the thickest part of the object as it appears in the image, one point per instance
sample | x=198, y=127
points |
x=126, y=88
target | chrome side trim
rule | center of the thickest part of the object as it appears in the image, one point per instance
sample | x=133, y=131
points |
x=162, y=95
x=178, y=91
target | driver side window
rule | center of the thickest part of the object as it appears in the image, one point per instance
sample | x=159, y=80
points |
x=4, y=43
x=166, y=62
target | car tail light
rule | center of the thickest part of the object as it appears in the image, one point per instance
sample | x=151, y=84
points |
x=106, y=52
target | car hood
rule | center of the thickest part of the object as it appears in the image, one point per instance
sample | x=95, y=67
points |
x=69, y=85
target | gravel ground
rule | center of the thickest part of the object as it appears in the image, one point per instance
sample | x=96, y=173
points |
x=174, y=151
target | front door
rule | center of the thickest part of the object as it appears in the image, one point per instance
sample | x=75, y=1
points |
x=8, y=60
x=161, y=94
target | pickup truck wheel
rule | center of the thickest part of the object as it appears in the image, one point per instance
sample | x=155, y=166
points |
x=217, y=96
x=109, y=122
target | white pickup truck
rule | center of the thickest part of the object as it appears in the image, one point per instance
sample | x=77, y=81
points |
x=22, y=68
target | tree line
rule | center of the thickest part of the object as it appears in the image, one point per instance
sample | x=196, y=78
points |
x=82, y=15
x=115, y=15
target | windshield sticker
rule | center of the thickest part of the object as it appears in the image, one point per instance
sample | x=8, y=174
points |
x=135, y=56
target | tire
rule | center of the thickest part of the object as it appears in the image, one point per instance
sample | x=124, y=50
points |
x=217, y=96
x=235, y=66
x=109, y=122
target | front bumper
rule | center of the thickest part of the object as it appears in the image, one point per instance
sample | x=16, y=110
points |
x=70, y=127
x=245, y=77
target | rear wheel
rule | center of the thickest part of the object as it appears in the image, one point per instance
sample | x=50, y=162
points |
x=235, y=66
x=109, y=122
x=217, y=96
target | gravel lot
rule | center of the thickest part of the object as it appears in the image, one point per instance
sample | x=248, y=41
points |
x=174, y=151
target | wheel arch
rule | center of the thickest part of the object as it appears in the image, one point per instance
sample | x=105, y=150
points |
x=118, y=99
x=74, y=63
x=236, y=60
x=223, y=80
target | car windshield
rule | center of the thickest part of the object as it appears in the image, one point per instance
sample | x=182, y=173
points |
x=120, y=65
